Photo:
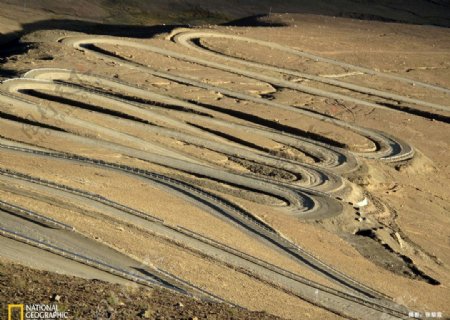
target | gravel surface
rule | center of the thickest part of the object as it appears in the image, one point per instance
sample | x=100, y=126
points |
x=93, y=299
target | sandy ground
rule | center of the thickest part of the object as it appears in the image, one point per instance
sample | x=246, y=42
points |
x=101, y=300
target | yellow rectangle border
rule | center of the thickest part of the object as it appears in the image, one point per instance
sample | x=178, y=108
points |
x=11, y=307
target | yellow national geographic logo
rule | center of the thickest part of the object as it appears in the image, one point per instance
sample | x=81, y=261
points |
x=35, y=312
x=16, y=310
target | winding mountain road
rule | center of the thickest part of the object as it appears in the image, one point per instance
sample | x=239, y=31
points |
x=316, y=190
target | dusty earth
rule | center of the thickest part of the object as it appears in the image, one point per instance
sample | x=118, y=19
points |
x=398, y=244
x=101, y=300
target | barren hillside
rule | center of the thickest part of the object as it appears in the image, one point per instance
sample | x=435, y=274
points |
x=246, y=163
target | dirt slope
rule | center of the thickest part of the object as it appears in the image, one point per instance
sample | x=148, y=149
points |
x=85, y=299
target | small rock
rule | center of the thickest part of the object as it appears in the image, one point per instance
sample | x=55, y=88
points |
x=362, y=203
x=146, y=314
x=179, y=304
x=55, y=297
